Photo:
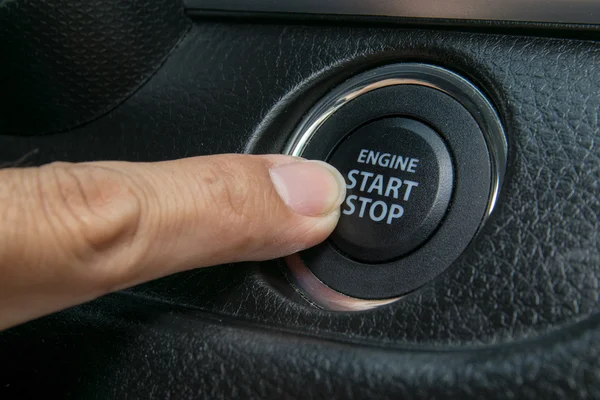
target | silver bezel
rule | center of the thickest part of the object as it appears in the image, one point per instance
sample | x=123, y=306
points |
x=396, y=74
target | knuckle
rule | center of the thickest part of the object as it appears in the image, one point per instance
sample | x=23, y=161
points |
x=227, y=194
x=235, y=198
x=95, y=206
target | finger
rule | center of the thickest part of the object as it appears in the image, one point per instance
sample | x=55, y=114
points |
x=72, y=232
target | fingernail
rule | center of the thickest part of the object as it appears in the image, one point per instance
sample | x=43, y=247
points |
x=309, y=188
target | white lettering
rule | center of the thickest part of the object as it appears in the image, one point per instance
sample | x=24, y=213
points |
x=410, y=185
x=352, y=179
x=350, y=204
x=384, y=160
x=388, y=160
x=364, y=201
x=366, y=176
x=402, y=162
x=362, y=155
x=377, y=185
x=377, y=211
x=393, y=185
x=393, y=161
x=384, y=210
x=412, y=167
x=372, y=158
x=396, y=211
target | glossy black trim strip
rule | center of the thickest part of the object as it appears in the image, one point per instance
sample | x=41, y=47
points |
x=553, y=11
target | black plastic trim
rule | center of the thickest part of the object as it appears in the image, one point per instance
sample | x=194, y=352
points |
x=469, y=203
x=557, y=11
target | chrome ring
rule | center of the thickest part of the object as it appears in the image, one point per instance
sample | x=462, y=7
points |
x=396, y=74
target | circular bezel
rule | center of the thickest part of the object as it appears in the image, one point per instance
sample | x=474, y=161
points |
x=463, y=117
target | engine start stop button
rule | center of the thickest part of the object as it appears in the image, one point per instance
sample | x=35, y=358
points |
x=399, y=182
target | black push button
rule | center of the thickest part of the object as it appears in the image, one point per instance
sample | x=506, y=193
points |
x=399, y=178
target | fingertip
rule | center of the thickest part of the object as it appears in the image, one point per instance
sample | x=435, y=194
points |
x=305, y=233
x=309, y=188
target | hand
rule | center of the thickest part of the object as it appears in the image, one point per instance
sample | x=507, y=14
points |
x=73, y=232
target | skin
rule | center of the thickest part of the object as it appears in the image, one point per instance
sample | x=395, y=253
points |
x=73, y=232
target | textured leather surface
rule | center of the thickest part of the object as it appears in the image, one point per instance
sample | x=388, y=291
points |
x=536, y=264
x=123, y=350
x=67, y=62
x=533, y=269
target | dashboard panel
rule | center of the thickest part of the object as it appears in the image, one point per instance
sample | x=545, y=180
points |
x=514, y=315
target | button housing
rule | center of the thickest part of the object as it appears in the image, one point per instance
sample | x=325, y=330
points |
x=471, y=130
x=399, y=182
